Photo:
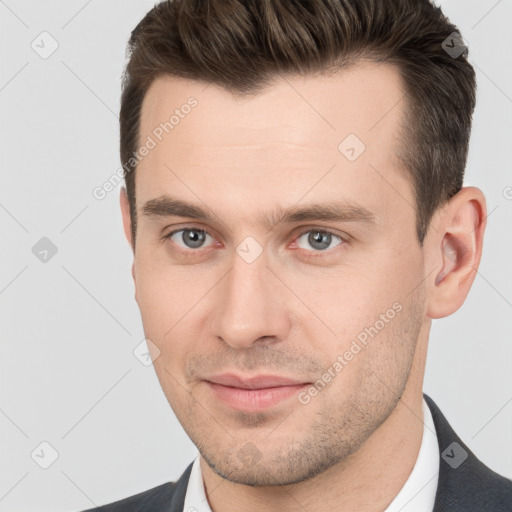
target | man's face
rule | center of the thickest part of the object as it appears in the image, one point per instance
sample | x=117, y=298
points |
x=335, y=305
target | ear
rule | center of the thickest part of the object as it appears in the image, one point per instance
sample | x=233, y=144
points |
x=454, y=249
x=127, y=221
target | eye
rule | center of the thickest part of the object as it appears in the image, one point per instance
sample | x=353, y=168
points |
x=191, y=237
x=319, y=239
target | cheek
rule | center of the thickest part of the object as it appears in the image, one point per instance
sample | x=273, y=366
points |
x=346, y=300
x=172, y=383
x=169, y=300
x=163, y=295
x=366, y=310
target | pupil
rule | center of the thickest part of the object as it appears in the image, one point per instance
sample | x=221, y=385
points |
x=193, y=237
x=318, y=237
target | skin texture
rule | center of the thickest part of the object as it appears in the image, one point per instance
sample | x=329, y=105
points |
x=294, y=309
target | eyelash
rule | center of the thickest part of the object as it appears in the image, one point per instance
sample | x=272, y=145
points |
x=315, y=254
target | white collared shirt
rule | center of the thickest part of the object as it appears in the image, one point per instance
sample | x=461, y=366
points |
x=417, y=494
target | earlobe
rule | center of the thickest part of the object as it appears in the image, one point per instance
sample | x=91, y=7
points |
x=458, y=246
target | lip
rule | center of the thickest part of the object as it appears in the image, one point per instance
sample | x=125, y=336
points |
x=253, y=394
x=255, y=382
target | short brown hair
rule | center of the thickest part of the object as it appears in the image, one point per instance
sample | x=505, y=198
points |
x=243, y=45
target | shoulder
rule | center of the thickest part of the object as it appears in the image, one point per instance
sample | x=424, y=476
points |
x=465, y=482
x=474, y=487
x=151, y=500
x=167, y=497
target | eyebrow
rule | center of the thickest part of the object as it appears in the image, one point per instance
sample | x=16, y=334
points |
x=341, y=211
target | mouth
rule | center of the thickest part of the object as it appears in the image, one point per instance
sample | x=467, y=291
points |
x=253, y=394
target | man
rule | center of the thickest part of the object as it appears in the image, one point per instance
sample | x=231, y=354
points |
x=295, y=205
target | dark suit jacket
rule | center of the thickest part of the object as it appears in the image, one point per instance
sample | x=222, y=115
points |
x=465, y=484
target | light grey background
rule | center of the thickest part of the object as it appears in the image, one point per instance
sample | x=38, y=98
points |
x=70, y=325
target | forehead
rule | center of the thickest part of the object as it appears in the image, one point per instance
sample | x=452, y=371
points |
x=361, y=99
x=279, y=142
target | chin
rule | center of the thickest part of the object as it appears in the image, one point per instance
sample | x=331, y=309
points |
x=248, y=466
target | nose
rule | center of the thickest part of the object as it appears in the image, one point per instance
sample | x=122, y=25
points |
x=250, y=308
